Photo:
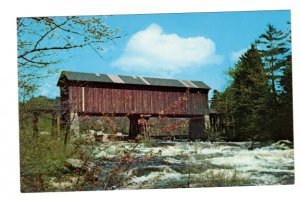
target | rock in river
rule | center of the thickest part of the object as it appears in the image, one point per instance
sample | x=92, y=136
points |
x=89, y=167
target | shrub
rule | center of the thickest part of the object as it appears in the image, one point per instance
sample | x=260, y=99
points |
x=40, y=157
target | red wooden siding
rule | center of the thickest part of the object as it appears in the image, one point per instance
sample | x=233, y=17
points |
x=123, y=101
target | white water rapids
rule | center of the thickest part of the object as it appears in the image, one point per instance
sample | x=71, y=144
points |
x=201, y=164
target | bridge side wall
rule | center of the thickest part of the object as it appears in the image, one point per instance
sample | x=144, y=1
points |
x=110, y=100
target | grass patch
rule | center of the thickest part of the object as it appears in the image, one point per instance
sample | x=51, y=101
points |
x=220, y=179
x=41, y=157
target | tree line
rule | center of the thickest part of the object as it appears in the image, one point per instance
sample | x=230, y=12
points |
x=258, y=104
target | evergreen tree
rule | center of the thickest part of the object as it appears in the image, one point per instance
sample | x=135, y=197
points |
x=273, y=48
x=250, y=96
x=286, y=80
x=222, y=103
x=215, y=99
x=286, y=97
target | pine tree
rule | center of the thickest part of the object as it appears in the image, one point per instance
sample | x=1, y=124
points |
x=222, y=103
x=286, y=97
x=214, y=102
x=250, y=95
x=273, y=48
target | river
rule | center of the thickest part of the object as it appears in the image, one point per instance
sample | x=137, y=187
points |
x=175, y=164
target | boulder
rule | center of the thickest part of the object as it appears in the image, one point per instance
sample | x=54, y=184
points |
x=65, y=182
x=74, y=163
x=119, y=134
x=104, y=137
x=283, y=144
x=79, y=164
x=98, y=133
x=89, y=167
x=99, y=136
x=92, y=132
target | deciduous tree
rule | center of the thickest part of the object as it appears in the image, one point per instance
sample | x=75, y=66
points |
x=43, y=42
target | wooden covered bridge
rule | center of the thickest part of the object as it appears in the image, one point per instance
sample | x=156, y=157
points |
x=132, y=96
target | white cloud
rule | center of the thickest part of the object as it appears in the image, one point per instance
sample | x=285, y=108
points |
x=234, y=56
x=152, y=51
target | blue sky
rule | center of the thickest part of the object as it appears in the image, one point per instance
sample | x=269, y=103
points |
x=187, y=46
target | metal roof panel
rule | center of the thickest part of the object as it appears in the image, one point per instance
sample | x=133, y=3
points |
x=164, y=82
x=132, y=80
x=119, y=79
x=77, y=76
x=201, y=84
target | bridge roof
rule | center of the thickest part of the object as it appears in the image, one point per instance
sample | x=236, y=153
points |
x=132, y=80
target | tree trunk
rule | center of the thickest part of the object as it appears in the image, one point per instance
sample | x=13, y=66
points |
x=35, y=124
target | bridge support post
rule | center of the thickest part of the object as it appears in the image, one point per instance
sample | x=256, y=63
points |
x=136, y=127
x=196, y=127
x=207, y=122
x=74, y=124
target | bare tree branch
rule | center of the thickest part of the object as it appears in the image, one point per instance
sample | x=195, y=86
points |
x=42, y=39
x=35, y=62
x=68, y=46
x=52, y=29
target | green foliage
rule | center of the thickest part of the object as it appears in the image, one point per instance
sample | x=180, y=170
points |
x=212, y=136
x=250, y=95
x=28, y=109
x=258, y=102
x=38, y=103
x=223, y=103
x=286, y=97
x=40, y=157
x=215, y=100
x=273, y=49
x=41, y=103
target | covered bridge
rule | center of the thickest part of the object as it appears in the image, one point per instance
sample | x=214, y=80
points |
x=133, y=96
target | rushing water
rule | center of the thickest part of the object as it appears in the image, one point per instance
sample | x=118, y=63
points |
x=176, y=164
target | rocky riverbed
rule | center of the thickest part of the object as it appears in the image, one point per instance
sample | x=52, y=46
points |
x=174, y=164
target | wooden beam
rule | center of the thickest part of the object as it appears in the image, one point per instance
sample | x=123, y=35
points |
x=83, y=102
